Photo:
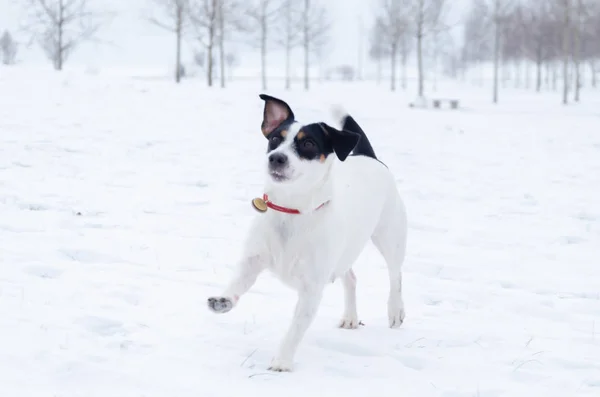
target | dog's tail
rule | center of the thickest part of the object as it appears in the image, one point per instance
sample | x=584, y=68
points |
x=347, y=122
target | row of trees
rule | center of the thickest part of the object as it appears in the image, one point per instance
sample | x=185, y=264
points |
x=559, y=39
x=263, y=24
x=544, y=33
x=60, y=26
x=400, y=26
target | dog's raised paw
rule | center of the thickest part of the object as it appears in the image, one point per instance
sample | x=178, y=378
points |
x=220, y=304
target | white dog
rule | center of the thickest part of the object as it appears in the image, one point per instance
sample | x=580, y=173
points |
x=320, y=207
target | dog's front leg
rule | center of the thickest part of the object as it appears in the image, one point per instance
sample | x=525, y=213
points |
x=309, y=299
x=248, y=270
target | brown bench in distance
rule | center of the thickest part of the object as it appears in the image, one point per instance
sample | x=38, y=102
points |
x=437, y=103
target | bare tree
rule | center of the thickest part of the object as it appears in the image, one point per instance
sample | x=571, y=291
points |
x=175, y=12
x=359, y=48
x=580, y=30
x=203, y=16
x=8, y=48
x=214, y=23
x=232, y=61
x=591, y=40
x=60, y=26
x=500, y=11
x=393, y=25
x=404, y=52
x=315, y=26
x=441, y=47
x=564, y=8
x=537, y=21
x=428, y=17
x=265, y=13
x=378, y=50
x=230, y=19
x=477, y=42
x=291, y=22
x=221, y=17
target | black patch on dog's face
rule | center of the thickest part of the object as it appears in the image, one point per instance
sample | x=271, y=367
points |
x=312, y=143
x=278, y=135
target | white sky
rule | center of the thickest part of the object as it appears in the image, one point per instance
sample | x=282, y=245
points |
x=131, y=41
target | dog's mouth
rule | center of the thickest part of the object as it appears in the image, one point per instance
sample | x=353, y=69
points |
x=278, y=176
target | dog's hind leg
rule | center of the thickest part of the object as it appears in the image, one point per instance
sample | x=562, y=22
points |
x=350, y=318
x=390, y=239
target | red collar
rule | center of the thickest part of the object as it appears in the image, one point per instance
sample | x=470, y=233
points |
x=279, y=208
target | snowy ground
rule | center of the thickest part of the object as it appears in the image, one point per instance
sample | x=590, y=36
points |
x=123, y=203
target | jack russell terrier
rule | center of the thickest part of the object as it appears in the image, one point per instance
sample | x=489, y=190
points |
x=326, y=194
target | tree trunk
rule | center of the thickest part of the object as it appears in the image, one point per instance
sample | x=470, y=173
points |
x=496, y=50
x=306, y=45
x=263, y=50
x=506, y=76
x=565, y=50
x=288, y=55
x=420, y=33
x=434, y=69
x=288, y=46
x=221, y=20
x=480, y=74
x=554, y=77
x=435, y=73
x=60, y=51
x=178, y=49
x=578, y=28
x=209, y=54
x=538, y=62
x=379, y=70
x=420, y=60
x=393, y=57
x=404, y=60
x=593, y=70
x=321, y=67
x=527, y=74
x=359, y=67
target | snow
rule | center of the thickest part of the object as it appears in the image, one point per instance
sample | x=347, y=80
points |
x=124, y=201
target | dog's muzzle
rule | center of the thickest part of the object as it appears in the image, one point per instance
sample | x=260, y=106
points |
x=277, y=161
x=277, y=164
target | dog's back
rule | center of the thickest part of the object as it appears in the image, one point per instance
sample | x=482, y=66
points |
x=367, y=202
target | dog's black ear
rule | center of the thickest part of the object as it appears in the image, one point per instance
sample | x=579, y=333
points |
x=342, y=141
x=276, y=112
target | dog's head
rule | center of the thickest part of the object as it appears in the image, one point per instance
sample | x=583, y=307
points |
x=300, y=154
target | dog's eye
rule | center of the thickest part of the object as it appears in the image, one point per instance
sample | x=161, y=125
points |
x=275, y=140
x=309, y=144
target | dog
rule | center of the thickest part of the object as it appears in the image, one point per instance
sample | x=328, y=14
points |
x=326, y=194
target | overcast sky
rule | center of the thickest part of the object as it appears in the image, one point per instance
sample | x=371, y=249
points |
x=131, y=41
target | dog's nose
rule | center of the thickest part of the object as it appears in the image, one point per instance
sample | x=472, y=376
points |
x=277, y=160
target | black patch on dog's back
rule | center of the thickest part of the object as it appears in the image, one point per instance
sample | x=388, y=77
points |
x=363, y=147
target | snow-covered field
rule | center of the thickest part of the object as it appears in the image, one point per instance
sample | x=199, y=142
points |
x=123, y=203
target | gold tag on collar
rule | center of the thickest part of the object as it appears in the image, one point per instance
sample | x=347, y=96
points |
x=259, y=204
